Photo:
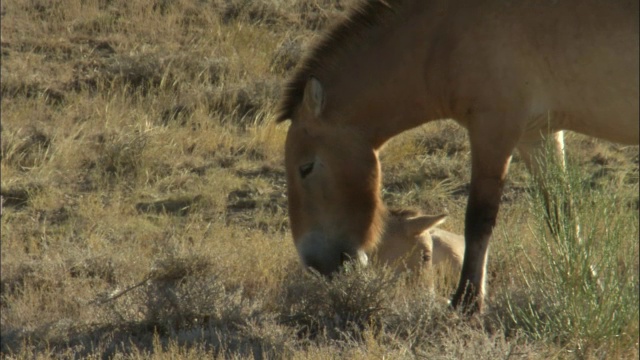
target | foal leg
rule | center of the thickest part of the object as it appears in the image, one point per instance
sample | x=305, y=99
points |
x=490, y=155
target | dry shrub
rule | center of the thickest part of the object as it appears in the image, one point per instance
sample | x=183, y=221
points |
x=187, y=296
x=119, y=156
x=355, y=298
x=95, y=267
x=184, y=291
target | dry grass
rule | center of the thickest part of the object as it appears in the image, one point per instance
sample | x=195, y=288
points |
x=144, y=209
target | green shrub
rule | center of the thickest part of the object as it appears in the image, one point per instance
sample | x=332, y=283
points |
x=582, y=284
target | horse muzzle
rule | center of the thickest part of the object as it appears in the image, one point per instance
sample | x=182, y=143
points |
x=328, y=257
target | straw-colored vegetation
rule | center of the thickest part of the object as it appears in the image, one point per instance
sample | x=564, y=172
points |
x=144, y=207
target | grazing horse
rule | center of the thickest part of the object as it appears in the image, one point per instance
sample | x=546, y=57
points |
x=411, y=241
x=511, y=72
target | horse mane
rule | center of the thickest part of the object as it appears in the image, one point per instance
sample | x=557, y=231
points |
x=361, y=17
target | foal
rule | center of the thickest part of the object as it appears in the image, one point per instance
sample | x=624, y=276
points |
x=411, y=241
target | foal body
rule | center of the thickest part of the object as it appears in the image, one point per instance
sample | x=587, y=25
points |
x=448, y=249
x=411, y=241
x=511, y=72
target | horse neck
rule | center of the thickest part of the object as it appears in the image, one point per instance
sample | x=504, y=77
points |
x=379, y=85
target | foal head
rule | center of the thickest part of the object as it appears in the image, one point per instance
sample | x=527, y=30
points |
x=406, y=243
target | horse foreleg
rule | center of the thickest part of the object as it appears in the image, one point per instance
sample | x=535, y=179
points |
x=491, y=155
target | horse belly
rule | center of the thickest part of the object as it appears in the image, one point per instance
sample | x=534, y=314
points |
x=582, y=73
x=594, y=89
x=602, y=109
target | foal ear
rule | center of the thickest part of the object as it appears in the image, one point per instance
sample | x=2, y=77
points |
x=417, y=225
x=314, y=96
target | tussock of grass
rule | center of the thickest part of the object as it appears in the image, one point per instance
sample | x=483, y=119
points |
x=18, y=196
x=26, y=148
x=244, y=106
x=33, y=91
x=120, y=156
x=256, y=13
x=288, y=54
x=135, y=73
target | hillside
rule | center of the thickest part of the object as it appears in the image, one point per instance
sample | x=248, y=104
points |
x=144, y=209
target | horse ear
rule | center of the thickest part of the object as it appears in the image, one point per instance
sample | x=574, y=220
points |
x=314, y=96
x=417, y=225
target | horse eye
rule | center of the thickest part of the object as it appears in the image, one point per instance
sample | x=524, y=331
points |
x=305, y=170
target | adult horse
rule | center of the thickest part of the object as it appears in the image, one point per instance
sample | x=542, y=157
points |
x=510, y=72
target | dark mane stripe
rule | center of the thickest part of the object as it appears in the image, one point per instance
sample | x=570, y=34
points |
x=363, y=16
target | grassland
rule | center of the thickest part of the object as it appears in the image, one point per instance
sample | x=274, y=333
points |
x=144, y=209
